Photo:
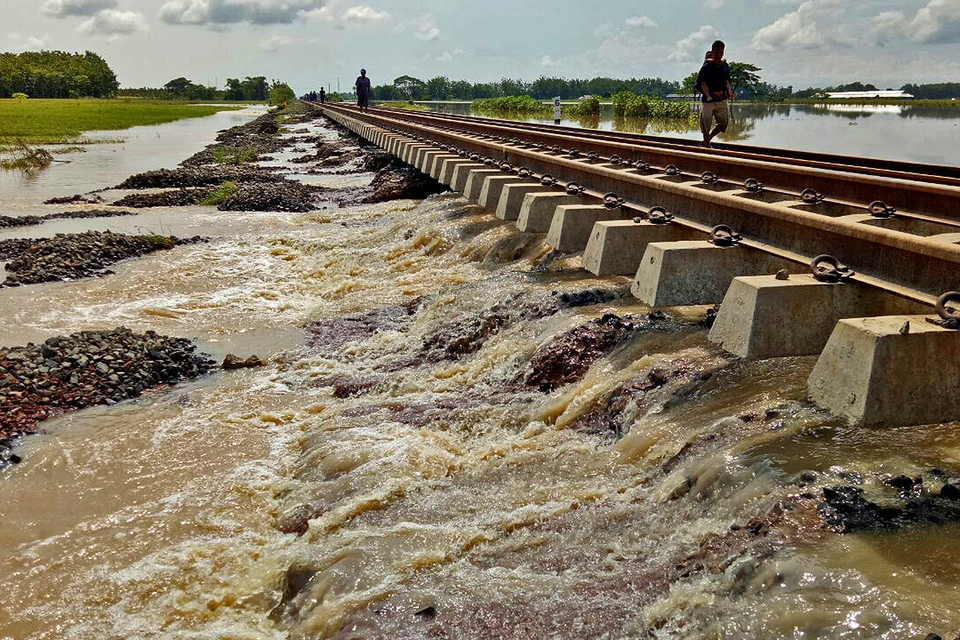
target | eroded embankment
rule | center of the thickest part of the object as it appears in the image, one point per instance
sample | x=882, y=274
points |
x=481, y=440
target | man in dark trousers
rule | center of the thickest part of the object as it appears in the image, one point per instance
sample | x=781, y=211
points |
x=714, y=82
x=323, y=95
x=363, y=91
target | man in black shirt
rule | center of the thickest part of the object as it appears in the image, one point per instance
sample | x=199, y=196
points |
x=323, y=95
x=363, y=91
x=714, y=82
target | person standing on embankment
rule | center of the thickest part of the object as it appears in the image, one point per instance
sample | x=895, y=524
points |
x=714, y=82
x=363, y=91
x=323, y=95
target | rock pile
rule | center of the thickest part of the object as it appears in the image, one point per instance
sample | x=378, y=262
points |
x=8, y=222
x=196, y=177
x=282, y=196
x=174, y=198
x=75, y=199
x=258, y=136
x=76, y=255
x=85, y=369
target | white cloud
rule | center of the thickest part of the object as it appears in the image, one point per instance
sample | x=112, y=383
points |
x=223, y=12
x=448, y=56
x=548, y=61
x=28, y=43
x=715, y=4
x=364, y=15
x=64, y=8
x=427, y=31
x=275, y=43
x=938, y=22
x=795, y=29
x=113, y=23
x=688, y=48
x=641, y=22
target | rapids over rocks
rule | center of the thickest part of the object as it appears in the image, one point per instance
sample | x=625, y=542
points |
x=456, y=434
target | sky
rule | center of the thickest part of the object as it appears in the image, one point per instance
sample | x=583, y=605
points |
x=309, y=43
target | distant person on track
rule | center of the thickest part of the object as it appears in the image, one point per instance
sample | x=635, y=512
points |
x=713, y=82
x=363, y=91
x=323, y=95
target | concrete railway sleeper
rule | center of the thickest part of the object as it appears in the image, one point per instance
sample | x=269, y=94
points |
x=849, y=187
x=771, y=267
x=941, y=174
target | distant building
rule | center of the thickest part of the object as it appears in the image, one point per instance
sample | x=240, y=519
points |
x=862, y=95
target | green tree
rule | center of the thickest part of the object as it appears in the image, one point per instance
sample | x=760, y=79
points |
x=438, y=88
x=281, y=93
x=410, y=88
x=178, y=86
x=744, y=75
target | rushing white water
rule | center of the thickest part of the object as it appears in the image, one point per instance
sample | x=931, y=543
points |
x=656, y=496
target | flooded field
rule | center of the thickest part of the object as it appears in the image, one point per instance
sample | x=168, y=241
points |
x=916, y=133
x=456, y=435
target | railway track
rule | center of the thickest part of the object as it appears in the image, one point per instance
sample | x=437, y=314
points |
x=845, y=238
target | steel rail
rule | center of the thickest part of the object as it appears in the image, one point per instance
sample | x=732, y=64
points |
x=841, y=185
x=939, y=174
x=904, y=264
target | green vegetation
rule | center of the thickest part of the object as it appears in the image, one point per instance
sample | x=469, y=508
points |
x=250, y=89
x=19, y=96
x=56, y=74
x=334, y=97
x=630, y=104
x=27, y=159
x=159, y=242
x=281, y=93
x=513, y=105
x=220, y=194
x=234, y=155
x=404, y=104
x=543, y=88
x=584, y=108
x=59, y=121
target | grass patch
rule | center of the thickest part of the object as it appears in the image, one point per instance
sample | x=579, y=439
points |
x=630, y=104
x=159, y=242
x=27, y=159
x=60, y=121
x=587, y=107
x=220, y=194
x=234, y=155
x=404, y=104
x=522, y=105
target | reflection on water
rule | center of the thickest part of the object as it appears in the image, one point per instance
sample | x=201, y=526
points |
x=919, y=133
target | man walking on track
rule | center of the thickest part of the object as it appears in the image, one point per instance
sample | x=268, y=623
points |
x=363, y=91
x=323, y=95
x=714, y=82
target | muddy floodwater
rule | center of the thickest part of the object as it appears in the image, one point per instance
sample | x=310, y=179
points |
x=458, y=434
x=896, y=132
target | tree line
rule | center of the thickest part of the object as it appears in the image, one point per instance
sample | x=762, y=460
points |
x=251, y=88
x=56, y=74
x=543, y=88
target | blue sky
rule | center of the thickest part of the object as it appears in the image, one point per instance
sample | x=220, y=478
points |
x=308, y=42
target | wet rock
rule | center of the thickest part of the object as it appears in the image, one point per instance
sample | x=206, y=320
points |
x=904, y=484
x=76, y=255
x=235, y=362
x=175, y=198
x=846, y=510
x=397, y=181
x=8, y=222
x=347, y=387
x=285, y=196
x=427, y=613
x=197, y=177
x=297, y=520
x=569, y=356
x=75, y=199
x=331, y=334
x=86, y=369
x=950, y=492
x=259, y=136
